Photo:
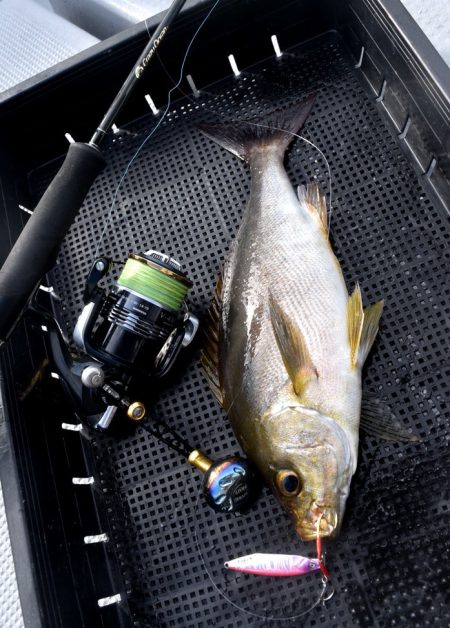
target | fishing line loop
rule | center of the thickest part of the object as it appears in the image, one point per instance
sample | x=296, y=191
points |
x=216, y=113
x=325, y=582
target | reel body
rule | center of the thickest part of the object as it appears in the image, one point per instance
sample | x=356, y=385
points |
x=135, y=330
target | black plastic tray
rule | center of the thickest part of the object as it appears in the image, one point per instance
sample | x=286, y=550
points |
x=185, y=195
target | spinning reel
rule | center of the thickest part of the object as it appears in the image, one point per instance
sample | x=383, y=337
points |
x=135, y=331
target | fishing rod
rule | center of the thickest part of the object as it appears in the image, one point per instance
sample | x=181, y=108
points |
x=35, y=251
x=132, y=331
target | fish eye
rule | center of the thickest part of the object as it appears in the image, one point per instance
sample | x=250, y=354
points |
x=288, y=483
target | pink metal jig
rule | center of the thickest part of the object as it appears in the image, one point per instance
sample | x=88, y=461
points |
x=274, y=564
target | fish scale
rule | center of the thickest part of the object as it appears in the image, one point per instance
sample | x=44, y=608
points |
x=291, y=341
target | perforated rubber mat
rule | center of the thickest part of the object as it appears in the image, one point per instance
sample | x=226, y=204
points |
x=185, y=195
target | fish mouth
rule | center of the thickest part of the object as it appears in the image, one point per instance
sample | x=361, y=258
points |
x=323, y=523
x=310, y=534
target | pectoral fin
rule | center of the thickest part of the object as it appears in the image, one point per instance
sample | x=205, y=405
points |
x=292, y=347
x=362, y=326
x=378, y=419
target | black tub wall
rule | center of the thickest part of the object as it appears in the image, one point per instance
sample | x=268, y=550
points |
x=72, y=98
x=410, y=81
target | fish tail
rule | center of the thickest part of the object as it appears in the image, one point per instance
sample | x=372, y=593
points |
x=245, y=137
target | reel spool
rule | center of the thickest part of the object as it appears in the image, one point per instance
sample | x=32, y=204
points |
x=142, y=323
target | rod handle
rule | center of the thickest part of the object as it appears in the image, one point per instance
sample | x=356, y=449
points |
x=37, y=246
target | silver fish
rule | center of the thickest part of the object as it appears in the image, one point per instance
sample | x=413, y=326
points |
x=286, y=343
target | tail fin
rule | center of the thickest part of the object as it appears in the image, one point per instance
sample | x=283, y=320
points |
x=242, y=138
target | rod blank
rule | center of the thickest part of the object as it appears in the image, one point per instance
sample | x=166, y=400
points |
x=136, y=73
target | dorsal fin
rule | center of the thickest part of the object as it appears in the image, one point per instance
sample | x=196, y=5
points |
x=362, y=326
x=314, y=200
x=210, y=351
x=292, y=347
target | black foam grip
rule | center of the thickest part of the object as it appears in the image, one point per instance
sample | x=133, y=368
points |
x=34, y=252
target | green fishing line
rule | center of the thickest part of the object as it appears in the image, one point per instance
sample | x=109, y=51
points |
x=153, y=284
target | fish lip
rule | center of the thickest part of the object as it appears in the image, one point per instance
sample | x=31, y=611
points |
x=306, y=534
x=310, y=534
x=308, y=530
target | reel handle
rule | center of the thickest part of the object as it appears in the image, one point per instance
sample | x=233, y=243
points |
x=230, y=484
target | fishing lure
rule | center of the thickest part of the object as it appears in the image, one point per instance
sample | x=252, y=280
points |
x=274, y=564
x=281, y=564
